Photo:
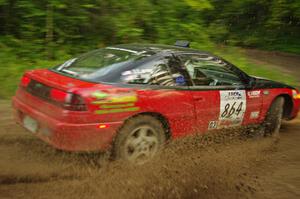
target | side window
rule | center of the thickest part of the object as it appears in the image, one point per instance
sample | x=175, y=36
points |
x=165, y=71
x=207, y=70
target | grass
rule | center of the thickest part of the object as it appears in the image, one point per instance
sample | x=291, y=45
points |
x=237, y=57
x=12, y=68
x=12, y=72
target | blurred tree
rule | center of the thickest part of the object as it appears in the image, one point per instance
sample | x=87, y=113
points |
x=49, y=30
x=271, y=24
x=53, y=28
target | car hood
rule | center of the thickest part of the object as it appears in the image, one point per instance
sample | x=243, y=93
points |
x=261, y=82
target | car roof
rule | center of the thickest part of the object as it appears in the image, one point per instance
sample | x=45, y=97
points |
x=156, y=48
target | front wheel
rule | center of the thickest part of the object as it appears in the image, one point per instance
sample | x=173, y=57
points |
x=139, y=139
x=273, y=118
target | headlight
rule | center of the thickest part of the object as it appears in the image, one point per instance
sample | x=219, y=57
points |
x=296, y=94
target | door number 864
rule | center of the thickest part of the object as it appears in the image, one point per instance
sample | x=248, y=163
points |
x=231, y=110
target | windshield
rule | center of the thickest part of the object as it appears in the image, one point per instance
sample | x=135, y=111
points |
x=101, y=64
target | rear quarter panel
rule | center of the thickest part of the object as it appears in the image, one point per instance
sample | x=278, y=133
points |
x=108, y=103
x=175, y=106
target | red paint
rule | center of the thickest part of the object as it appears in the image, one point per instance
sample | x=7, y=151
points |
x=58, y=95
x=25, y=81
x=187, y=111
x=206, y=108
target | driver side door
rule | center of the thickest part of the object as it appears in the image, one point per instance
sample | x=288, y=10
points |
x=220, y=95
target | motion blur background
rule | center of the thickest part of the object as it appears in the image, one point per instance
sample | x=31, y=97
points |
x=261, y=37
x=43, y=33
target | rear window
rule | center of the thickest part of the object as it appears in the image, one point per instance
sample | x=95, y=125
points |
x=102, y=65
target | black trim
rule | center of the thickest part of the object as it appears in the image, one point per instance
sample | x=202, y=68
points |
x=189, y=88
x=260, y=83
x=206, y=88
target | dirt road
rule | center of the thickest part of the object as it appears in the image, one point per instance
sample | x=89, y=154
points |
x=224, y=165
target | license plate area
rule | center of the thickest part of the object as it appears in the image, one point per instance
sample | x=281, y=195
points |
x=30, y=124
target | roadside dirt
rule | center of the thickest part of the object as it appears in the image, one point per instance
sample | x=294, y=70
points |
x=223, y=165
x=284, y=62
x=219, y=165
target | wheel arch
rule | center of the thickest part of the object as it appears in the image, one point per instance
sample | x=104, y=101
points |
x=288, y=105
x=164, y=121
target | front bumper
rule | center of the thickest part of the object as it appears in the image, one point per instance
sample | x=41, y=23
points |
x=295, y=110
x=67, y=136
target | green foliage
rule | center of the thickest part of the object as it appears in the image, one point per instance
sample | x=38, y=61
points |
x=45, y=32
x=12, y=67
x=199, y=4
x=40, y=27
x=266, y=24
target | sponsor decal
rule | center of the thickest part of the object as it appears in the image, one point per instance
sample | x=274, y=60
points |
x=117, y=99
x=99, y=95
x=232, y=95
x=106, y=111
x=115, y=102
x=212, y=125
x=254, y=114
x=254, y=94
x=228, y=123
x=232, y=107
x=117, y=105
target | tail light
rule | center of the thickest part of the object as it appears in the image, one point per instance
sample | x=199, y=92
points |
x=25, y=81
x=66, y=100
x=69, y=101
x=75, y=103
x=58, y=95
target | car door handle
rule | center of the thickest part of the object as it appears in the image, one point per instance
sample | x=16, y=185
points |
x=198, y=98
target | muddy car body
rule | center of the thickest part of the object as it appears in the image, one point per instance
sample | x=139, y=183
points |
x=135, y=97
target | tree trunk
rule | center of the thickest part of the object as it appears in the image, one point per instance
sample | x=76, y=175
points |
x=49, y=31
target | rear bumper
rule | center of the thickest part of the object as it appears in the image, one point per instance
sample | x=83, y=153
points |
x=67, y=136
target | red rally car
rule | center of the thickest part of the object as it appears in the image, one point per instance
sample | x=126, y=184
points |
x=132, y=98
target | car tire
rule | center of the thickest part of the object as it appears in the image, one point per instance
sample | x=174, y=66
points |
x=139, y=139
x=273, y=118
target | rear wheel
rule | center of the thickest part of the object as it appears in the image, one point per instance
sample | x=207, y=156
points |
x=139, y=139
x=273, y=118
